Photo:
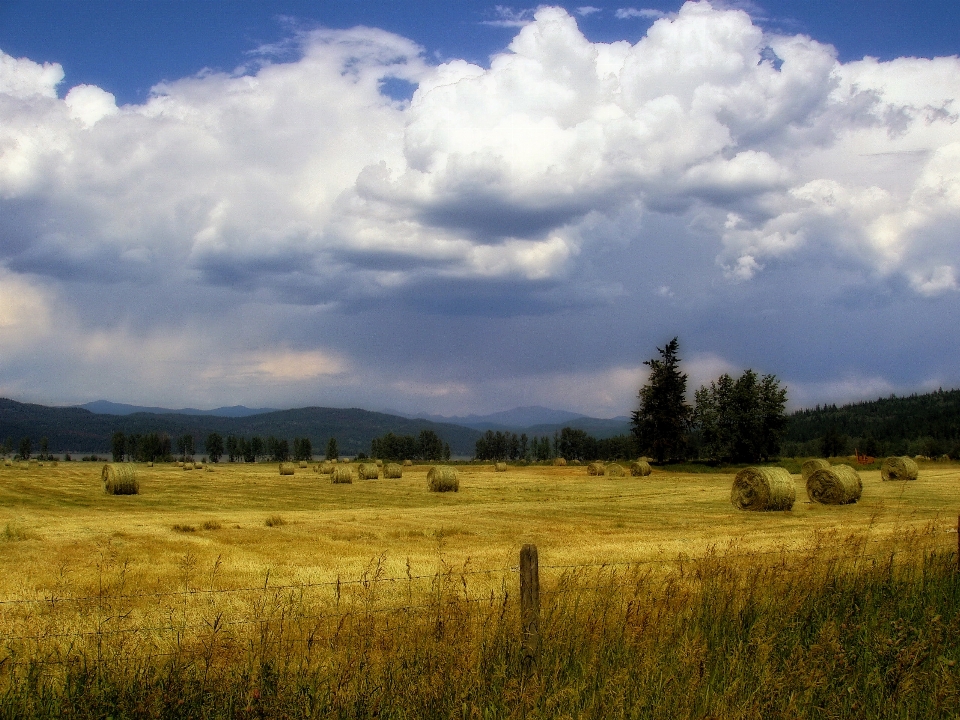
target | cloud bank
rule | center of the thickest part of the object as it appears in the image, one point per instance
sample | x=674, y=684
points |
x=686, y=183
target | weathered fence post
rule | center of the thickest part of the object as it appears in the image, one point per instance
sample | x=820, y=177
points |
x=530, y=603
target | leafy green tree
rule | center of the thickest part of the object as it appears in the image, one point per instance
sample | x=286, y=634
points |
x=25, y=448
x=118, y=446
x=255, y=449
x=332, y=451
x=302, y=449
x=662, y=422
x=429, y=445
x=741, y=420
x=214, y=447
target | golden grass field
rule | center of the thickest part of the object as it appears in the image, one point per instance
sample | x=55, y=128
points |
x=239, y=592
x=58, y=525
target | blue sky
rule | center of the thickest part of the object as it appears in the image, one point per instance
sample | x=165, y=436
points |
x=467, y=207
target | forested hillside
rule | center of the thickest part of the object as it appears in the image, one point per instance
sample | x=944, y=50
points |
x=915, y=425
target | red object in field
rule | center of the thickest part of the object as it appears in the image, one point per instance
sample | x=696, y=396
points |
x=864, y=459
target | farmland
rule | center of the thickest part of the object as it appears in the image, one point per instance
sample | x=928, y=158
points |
x=242, y=548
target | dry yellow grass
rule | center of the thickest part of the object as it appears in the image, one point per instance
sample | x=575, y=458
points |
x=336, y=529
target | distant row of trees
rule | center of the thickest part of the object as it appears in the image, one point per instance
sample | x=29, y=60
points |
x=425, y=446
x=568, y=443
x=158, y=447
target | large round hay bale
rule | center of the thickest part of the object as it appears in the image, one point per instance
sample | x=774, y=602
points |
x=443, y=478
x=392, y=471
x=341, y=474
x=303, y=464
x=641, y=468
x=763, y=488
x=836, y=485
x=500, y=467
x=287, y=468
x=559, y=461
x=899, y=468
x=120, y=479
x=615, y=470
x=595, y=468
x=408, y=463
x=368, y=471
x=809, y=467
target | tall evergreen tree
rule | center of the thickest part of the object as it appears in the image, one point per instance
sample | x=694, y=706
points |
x=662, y=421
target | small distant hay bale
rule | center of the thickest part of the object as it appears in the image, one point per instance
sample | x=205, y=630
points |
x=944, y=458
x=208, y=468
x=443, y=478
x=392, y=471
x=835, y=485
x=188, y=466
x=8, y=463
x=575, y=462
x=379, y=463
x=595, y=468
x=303, y=464
x=641, y=468
x=120, y=479
x=341, y=475
x=763, y=488
x=368, y=471
x=500, y=467
x=559, y=462
x=179, y=463
x=811, y=466
x=150, y=464
x=918, y=458
x=326, y=468
x=343, y=460
x=408, y=463
x=287, y=468
x=899, y=468
x=615, y=470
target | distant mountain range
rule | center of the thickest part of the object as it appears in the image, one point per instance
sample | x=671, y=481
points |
x=532, y=420
x=105, y=407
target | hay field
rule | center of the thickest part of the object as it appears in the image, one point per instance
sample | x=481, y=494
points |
x=57, y=525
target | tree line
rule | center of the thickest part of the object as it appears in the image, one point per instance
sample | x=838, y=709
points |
x=568, y=443
x=733, y=420
x=159, y=447
x=426, y=446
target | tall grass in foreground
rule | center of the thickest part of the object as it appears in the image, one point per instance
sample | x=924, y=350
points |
x=847, y=629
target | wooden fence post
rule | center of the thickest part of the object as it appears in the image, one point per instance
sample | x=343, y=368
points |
x=530, y=603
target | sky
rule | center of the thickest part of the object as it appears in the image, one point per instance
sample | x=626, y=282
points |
x=466, y=207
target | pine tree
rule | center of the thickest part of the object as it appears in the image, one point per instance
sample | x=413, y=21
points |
x=662, y=421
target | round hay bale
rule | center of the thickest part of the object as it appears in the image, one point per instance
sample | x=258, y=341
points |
x=380, y=463
x=595, y=468
x=179, y=463
x=836, y=485
x=187, y=466
x=899, y=468
x=303, y=464
x=944, y=458
x=368, y=471
x=120, y=479
x=150, y=464
x=341, y=475
x=443, y=478
x=809, y=467
x=559, y=462
x=641, y=468
x=287, y=468
x=763, y=488
x=615, y=470
x=208, y=468
x=408, y=463
x=8, y=463
x=392, y=471
x=575, y=462
x=500, y=467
